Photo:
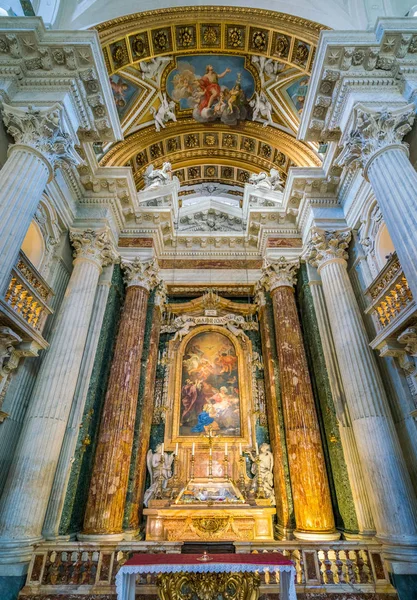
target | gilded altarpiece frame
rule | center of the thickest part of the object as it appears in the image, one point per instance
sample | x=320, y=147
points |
x=176, y=350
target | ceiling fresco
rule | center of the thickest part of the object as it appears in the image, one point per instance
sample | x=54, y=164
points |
x=216, y=91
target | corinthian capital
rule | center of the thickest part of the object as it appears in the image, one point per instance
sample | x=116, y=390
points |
x=279, y=273
x=95, y=246
x=326, y=246
x=141, y=273
x=43, y=131
x=374, y=131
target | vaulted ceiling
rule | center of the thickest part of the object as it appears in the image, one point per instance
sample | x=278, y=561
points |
x=160, y=57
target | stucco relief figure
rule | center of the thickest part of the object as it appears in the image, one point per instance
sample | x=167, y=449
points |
x=165, y=113
x=266, y=465
x=261, y=108
x=272, y=181
x=157, y=469
x=156, y=177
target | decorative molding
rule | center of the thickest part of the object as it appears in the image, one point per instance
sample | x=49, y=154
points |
x=95, y=246
x=279, y=273
x=141, y=273
x=326, y=246
x=409, y=338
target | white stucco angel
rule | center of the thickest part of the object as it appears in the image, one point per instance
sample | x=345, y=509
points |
x=152, y=68
x=165, y=113
x=261, y=108
x=184, y=326
x=272, y=181
x=266, y=465
x=156, y=177
x=158, y=469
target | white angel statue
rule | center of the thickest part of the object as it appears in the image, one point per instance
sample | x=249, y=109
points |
x=158, y=468
x=272, y=181
x=266, y=465
x=156, y=177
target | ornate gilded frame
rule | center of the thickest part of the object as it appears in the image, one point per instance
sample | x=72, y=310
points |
x=244, y=355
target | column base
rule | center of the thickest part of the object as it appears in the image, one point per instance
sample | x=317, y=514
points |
x=15, y=555
x=101, y=537
x=317, y=536
x=362, y=535
x=283, y=533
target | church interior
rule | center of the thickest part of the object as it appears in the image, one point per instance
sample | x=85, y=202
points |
x=208, y=330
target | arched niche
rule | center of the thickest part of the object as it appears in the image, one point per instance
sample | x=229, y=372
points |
x=383, y=246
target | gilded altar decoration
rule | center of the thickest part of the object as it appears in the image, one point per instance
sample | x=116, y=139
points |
x=216, y=88
x=208, y=586
x=210, y=386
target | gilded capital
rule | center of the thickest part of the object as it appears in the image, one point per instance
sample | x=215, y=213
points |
x=141, y=273
x=42, y=130
x=326, y=246
x=279, y=273
x=95, y=246
x=372, y=132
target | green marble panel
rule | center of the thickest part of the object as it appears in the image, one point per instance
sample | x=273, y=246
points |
x=77, y=491
x=341, y=492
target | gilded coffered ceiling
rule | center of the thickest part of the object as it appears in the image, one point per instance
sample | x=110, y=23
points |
x=216, y=91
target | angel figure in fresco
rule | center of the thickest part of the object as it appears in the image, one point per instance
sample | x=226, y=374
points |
x=157, y=469
x=209, y=99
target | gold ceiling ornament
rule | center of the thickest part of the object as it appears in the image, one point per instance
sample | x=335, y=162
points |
x=210, y=20
x=247, y=138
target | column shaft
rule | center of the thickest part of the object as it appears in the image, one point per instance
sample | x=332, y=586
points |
x=311, y=493
x=146, y=421
x=59, y=488
x=390, y=492
x=271, y=397
x=22, y=181
x=29, y=483
x=394, y=181
x=108, y=488
x=350, y=450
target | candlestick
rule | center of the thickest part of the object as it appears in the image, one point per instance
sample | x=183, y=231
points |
x=162, y=448
x=193, y=450
x=240, y=449
x=257, y=448
x=225, y=449
x=176, y=449
x=210, y=450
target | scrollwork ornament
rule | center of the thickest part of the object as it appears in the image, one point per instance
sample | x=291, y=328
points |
x=95, y=246
x=326, y=246
x=279, y=273
x=42, y=130
x=141, y=273
x=372, y=132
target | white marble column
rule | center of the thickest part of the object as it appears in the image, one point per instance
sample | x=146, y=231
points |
x=347, y=438
x=393, y=503
x=41, y=144
x=28, y=487
x=63, y=471
x=374, y=143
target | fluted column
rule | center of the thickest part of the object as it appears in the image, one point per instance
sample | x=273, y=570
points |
x=347, y=437
x=311, y=494
x=59, y=489
x=25, y=497
x=110, y=477
x=147, y=409
x=283, y=507
x=393, y=503
x=41, y=145
x=374, y=143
